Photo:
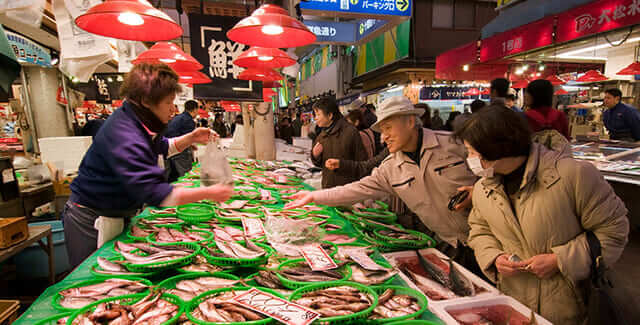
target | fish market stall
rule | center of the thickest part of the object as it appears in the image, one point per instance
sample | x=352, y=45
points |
x=248, y=261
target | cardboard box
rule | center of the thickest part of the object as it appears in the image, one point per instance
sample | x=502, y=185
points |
x=13, y=231
x=61, y=187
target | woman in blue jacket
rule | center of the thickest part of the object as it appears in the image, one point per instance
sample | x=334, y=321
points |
x=120, y=172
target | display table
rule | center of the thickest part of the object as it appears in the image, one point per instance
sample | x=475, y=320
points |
x=36, y=234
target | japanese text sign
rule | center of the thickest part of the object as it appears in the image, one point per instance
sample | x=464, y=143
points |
x=277, y=308
x=27, y=51
x=332, y=31
x=597, y=17
x=370, y=7
x=517, y=40
x=317, y=258
x=211, y=47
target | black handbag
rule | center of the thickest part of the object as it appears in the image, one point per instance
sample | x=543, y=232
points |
x=602, y=306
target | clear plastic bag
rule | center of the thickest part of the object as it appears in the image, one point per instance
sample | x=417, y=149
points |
x=215, y=168
x=294, y=232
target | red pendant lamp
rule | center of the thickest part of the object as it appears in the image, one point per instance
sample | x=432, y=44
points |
x=171, y=54
x=555, y=80
x=268, y=92
x=262, y=57
x=485, y=91
x=472, y=92
x=522, y=83
x=267, y=99
x=260, y=74
x=592, y=76
x=134, y=20
x=271, y=27
x=271, y=84
x=630, y=70
x=193, y=77
x=561, y=92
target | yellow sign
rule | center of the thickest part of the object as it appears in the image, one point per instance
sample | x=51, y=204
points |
x=402, y=5
x=354, y=2
x=502, y=3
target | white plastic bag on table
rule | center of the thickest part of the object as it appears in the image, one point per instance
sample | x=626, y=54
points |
x=214, y=166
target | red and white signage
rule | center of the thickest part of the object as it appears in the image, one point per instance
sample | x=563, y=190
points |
x=597, y=17
x=517, y=40
x=277, y=308
x=317, y=258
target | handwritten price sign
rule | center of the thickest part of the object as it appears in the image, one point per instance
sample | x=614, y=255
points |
x=277, y=308
x=252, y=227
x=317, y=258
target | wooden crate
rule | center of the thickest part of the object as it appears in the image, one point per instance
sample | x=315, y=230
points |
x=62, y=187
x=13, y=231
x=8, y=311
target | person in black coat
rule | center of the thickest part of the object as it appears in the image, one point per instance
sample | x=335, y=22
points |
x=180, y=125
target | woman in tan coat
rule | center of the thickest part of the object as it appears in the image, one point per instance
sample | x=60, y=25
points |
x=530, y=213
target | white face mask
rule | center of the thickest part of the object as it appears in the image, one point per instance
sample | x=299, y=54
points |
x=476, y=167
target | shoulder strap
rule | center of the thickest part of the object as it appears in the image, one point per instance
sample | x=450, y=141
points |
x=597, y=265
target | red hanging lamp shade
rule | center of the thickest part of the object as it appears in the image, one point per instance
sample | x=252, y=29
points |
x=472, y=92
x=262, y=57
x=270, y=27
x=193, y=77
x=523, y=83
x=271, y=84
x=170, y=54
x=485, y=91
x=134, y=20
x=555, y=80
x=561, y=92
x=267, y=99
x=260, y=74
x=630, y=70
x=268, y=92
x=592, y=76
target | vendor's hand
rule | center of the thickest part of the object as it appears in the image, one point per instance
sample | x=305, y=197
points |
x=508, y=268
x=467, y=202
x=220, y=192
x=543, y=266
x=332, y=164
x=202, y=135
x=300, y=199
x=317, y=150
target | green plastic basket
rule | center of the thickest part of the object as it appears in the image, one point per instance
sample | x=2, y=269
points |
x=425, y=241
x=138, y=275
x=377, y=215
x=199, y=299
x=134, y=238
x=224, y=269
x=165, y=265
x=415, y=322
x=171, y=282
x=382, y=262
x=346, y=271
x=236, y=220
x=152, y=217
x=53, y=320
x=208, y=236
x=130, y=300
x=255, y=196
x=354, y=318
x=248, y=262
x=196, y=212
x=300, y=213
x=422, y=302
x=55, y=300
x=161, y=214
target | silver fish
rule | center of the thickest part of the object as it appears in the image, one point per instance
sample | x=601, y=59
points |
x=109, y=266
x=460, y=284
x=75, y=302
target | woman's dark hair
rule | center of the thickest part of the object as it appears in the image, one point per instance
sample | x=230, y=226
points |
x=356, y=115
x=426, y=117
x=541, y=92
x=150, y=82
x=500, y=86
x=328, y=106
x=477, y=105
x=496, y=132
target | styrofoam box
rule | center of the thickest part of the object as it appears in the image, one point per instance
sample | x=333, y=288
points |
x=303, y=142
x=290, y=156
x=442, y=311
x=490, y=290
x=69, y=150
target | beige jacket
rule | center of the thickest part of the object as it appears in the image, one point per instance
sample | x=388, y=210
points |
x=559, y=198
x=426, y=189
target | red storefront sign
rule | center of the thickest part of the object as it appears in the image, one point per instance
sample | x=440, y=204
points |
x=520, y=39
x=596, y=17
x=452, y=61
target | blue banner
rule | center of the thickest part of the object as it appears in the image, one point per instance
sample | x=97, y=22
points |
x=371, y=7
x=368, y=26
x=28, y=51
x=447, y=93
x=331, y=31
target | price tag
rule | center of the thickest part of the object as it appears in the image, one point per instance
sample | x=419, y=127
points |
x=317, y=257
x=238, y=204
x=252, y=227
x=7, y=176
x=276, y=308
x=359, y=255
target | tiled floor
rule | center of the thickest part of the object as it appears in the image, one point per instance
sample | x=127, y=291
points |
x=626, y=274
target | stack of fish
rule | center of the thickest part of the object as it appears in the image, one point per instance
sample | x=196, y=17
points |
x=303, y=273
x=399, y=234
x=290, y=250
x=189, y=289
x=228, y=233
x=392, y=305
x=153, y=254
x=268, y=279
x=436, y=279
x=370, y=277
x=167, y=211
x=220, y=309
x=76, y=298
x=231, y=249
x=170, y=235
x=336, y=301
x=162, y=221
x=200, y=264
x=110, y=268
x=237, y=215
x=150, y=310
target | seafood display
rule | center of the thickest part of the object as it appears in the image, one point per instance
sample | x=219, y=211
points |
x=336, y=301
x=220, y=308
x=200, y=264
x=496, y=314
x=399, y=234
x=171, y=235
x=106, y=267
x=303, y=273
x=75, y=298
x=368, y=277
x=392, y=305
x=152, y=309
x=231, y=249
x=190, y=288
x=155, y=254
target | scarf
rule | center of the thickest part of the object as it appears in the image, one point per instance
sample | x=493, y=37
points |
x=150, y=120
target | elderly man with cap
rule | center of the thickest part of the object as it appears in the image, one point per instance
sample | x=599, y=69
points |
x=425, y=169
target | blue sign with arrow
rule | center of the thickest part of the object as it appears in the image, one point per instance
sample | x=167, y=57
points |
x=370, y=7
x=332, y=31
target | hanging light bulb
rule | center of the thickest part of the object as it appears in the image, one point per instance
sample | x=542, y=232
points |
x=171, y=54
x=465, y=67
x=541, y=68
x=130, y=18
